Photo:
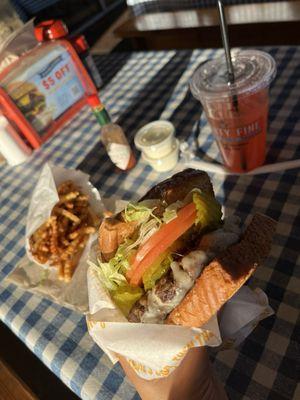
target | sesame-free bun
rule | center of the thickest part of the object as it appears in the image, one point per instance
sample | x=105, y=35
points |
x=224, y=276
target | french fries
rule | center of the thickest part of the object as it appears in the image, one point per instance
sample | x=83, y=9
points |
x=62, y=238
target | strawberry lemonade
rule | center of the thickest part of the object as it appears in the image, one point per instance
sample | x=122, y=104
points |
x=238, y=112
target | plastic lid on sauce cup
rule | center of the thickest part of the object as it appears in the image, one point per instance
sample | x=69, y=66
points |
x=253, y=70
x=156, y=138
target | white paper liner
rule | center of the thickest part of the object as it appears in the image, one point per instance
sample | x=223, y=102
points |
x=42, y=278
x=246, y=318
x=148, y=347
x=45, y=197
x=155, y=350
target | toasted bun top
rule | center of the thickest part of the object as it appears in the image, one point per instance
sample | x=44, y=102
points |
x=223, y=277
x=179, y=185
x=114, y=231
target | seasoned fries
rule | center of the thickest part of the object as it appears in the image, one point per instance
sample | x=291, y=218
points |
x=60, y=241
x=68, y=215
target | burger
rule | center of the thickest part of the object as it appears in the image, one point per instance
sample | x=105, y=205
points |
x=28, y=98
x=172, y=258
x=32, y=103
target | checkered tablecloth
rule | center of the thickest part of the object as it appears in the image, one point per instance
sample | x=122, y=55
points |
x=141, y=87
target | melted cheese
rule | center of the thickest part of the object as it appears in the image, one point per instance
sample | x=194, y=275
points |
x=157, y=310
x=189, y=268
x=194, y=262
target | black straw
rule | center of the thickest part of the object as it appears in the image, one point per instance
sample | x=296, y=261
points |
x=224, y=33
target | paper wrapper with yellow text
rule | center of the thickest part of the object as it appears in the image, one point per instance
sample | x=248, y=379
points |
x=43, y=278
x=155, y=350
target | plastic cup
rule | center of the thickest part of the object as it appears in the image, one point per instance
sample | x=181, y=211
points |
x=156, y=139
x=238, y=112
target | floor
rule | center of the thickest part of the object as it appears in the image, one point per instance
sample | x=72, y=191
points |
x=37, y=381
x=11, y=386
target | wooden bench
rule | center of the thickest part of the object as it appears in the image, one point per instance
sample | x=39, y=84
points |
x=23, y=376
x=276, y=23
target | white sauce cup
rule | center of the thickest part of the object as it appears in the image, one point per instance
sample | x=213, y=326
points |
x=165, y=163
x=156, y=139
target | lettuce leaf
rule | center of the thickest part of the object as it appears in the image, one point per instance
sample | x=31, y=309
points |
x=111, y=275
x=169, y=215
x=209, y=212
x=138, y=212
x=120, y=261
x=171, y=211
x=158, y=269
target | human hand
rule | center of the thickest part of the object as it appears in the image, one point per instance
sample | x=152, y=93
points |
x=193, y=379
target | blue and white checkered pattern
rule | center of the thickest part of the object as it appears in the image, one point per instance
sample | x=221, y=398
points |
x=141, y=87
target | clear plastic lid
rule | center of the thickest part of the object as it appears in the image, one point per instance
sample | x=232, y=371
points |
x=253, y=70
x=154, y=133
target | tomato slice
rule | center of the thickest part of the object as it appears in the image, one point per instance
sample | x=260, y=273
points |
x=184, y=213
x=159, y=242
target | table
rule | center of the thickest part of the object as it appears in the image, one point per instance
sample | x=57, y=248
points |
x=141, y=87
x=248, y=25
x=147, y=6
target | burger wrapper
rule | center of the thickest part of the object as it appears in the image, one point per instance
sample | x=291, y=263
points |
x=155, y=350
x=43, y=278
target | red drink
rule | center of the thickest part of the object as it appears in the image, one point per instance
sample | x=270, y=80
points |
x=241, y=135
x=237, y=113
